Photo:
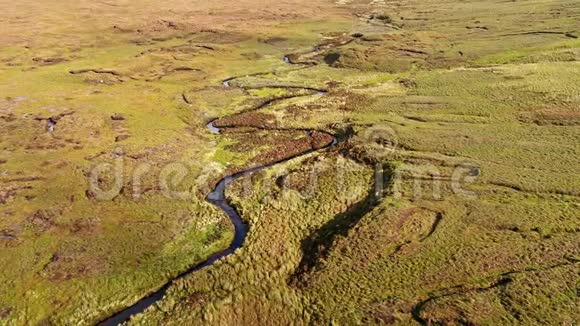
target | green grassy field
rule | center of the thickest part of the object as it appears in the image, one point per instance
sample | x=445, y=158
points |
x=470, y=111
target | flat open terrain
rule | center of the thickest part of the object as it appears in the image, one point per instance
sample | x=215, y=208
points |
x=422, y=161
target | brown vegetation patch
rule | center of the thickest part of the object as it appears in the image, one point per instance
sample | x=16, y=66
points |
x=86, y=225
x=55, y=117
x=387, y=311
x=274, y=40
x=96, y=71
x=48, y=61
x=293, y=148
x=178, y=51
x=69, y=264
x=248, y=119
x=23, y=179
x=8, y=235
x=120, y=138
x=331, y=58
x=118, y=117
x=7, y=194
x=5, y=312
x=43, y=220
x=407, y=82
x=7, y=115
x=551, y=116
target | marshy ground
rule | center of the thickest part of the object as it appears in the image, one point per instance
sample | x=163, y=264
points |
x=375, y=230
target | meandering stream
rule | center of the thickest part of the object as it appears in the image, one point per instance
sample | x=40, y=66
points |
x=216, y=197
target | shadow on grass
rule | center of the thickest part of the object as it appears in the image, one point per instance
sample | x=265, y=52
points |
x=318, y=245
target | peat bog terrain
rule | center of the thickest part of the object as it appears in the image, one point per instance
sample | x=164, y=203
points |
x=395, y=162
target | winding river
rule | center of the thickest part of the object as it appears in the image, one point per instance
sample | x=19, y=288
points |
x=217, y=197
